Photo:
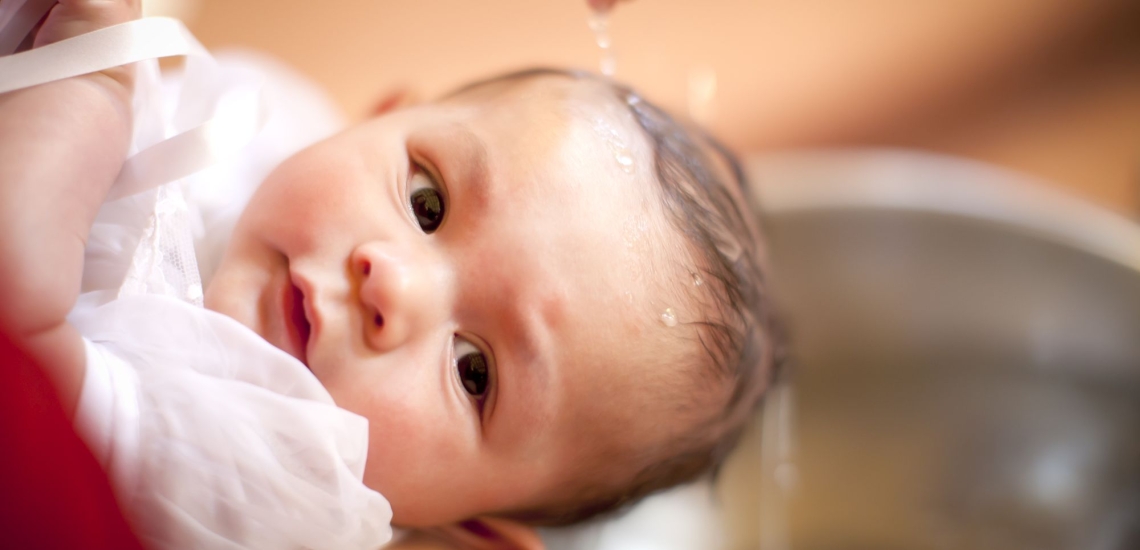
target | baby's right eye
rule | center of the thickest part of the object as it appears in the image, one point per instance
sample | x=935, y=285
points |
x=425, y=199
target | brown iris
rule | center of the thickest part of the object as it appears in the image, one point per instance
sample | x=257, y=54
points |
x=427, y=205
x=473, y=373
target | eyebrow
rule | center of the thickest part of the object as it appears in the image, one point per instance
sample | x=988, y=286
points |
x=528, y=349
x=474, y=173
x=524, y=370
x=527, y=335
x=530, y=370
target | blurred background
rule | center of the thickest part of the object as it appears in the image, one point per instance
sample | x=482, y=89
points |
x=1049, y=88
x=951, y=189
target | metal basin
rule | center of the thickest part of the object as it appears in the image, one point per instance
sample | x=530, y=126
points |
x=968, y=350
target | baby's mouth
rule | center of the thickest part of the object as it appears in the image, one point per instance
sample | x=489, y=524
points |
x=299, y=328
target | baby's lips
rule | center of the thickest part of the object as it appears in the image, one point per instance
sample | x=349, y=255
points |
x=298, y=316
x=309, y=309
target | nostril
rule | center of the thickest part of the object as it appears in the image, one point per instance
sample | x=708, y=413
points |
x=366, y=268
x=379, y=320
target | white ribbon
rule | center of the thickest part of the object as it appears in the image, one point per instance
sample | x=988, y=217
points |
x=196, y=147
x=96, y=51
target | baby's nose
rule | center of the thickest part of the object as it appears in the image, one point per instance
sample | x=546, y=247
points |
x=403, y=292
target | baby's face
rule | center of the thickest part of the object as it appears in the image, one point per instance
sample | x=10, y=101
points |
x=480, y=279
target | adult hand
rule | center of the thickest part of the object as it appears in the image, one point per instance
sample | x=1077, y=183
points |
x=70, y=18
x=62, y=144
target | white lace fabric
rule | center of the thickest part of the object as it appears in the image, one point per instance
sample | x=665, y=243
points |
x=212, y=437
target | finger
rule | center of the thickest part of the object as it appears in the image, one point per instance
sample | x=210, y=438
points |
x=601, y=5
x=31, y=38
x=75, y=17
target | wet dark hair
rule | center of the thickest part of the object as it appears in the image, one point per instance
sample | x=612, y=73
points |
x=707, y=199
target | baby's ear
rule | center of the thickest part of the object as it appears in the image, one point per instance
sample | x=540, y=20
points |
x=493, y=534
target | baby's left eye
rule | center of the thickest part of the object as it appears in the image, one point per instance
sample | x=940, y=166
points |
x=426, y=200
x=472, y=367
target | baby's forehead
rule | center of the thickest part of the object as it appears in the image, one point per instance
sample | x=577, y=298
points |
x=578, y=124
x=574, y=99
x=655, y=254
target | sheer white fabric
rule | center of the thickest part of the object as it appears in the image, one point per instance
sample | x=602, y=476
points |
x=216, y=439
x=212, y=437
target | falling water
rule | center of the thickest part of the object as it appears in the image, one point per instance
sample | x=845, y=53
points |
x=599, y=23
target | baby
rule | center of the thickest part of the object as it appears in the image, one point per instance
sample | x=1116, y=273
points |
x=545, y=295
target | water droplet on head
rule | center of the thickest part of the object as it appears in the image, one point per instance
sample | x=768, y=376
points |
x=624, y=159
x=616, y=143
x=669, y=318
x=697, y=280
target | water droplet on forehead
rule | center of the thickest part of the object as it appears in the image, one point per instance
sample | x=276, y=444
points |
x=669, y=318
x=616, y=144
x=624, y=159
x=697, y=280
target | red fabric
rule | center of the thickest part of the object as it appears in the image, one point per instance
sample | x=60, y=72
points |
x=53, y=494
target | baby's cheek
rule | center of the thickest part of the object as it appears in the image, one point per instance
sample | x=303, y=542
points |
x=419, y=436
x=307, y=203
x=413, y=449
x=404, y=422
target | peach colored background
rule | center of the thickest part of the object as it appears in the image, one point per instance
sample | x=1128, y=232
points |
x=1043, y=94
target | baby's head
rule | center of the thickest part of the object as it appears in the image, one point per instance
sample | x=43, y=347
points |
x=546, y=296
